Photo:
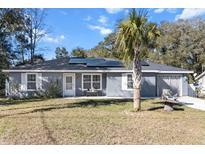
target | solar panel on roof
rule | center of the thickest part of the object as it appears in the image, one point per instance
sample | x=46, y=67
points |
x=84, y=60
x=98, y=62
x=106, y=64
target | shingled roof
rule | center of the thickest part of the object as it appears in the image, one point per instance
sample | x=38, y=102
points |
x=77, y=63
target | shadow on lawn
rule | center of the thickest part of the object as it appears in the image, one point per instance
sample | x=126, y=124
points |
x=85, y=103
x=176, y=108
x=162, y=107
x=7, y=102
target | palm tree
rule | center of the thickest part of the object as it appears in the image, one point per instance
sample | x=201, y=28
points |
x=134, y=34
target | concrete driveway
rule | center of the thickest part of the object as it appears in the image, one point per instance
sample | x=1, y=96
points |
x=193, y=102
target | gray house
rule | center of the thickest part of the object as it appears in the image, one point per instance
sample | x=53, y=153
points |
x=95, y=76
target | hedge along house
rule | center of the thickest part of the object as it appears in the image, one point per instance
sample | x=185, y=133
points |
x=94, y=76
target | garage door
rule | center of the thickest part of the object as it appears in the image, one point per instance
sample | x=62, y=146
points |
x=172, y=82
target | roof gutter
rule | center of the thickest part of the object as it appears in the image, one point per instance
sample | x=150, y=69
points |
x=100, y=71
x=175, y=72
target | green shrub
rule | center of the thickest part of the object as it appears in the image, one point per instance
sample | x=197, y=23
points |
x=53, y=90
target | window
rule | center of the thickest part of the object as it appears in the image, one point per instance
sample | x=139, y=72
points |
x=69, y=83
x=31, y=81
x=87, y=82
x=129, y=81
x=96, y=82
x=91, y=82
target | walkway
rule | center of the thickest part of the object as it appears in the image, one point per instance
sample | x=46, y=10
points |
x=193, y=102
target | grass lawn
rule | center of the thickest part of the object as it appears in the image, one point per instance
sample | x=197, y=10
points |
x=61, y=121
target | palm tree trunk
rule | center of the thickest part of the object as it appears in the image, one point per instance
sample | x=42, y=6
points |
x=137, y=80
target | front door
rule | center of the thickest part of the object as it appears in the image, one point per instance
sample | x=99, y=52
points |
x=69, y=84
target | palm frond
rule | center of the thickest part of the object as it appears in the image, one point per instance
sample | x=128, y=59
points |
x=134, y=32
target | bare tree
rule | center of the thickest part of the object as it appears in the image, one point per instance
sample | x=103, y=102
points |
x=35, y=29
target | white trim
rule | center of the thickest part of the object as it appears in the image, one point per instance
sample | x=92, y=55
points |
x=7, y=88
x=70, y=71
x=176, y=72
x=91, y=80
x=36, y=74
x=130, y=89
x=39, y=81
x=98, y=71
x=124, y=81
x=23, y=82
x=64, y=84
